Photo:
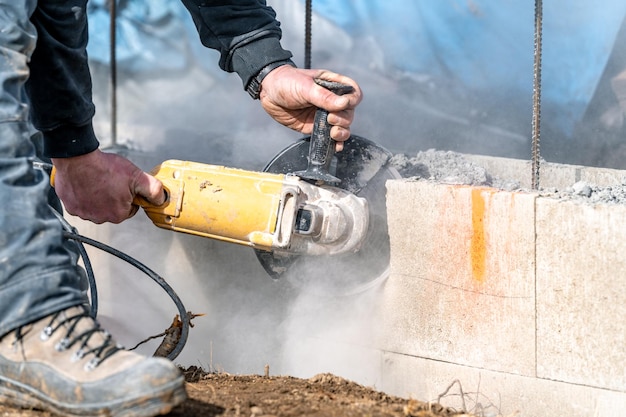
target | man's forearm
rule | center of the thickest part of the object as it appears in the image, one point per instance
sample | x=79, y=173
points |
x=245, y=32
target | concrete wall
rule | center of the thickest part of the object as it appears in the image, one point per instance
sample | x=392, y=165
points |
x=519, y=298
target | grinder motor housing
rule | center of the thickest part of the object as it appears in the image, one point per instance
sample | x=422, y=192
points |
x=272, y=212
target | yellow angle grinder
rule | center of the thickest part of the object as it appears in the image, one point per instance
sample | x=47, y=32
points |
x=313, y=216
x=269, y=212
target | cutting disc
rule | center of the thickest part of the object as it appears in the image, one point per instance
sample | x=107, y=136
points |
x=363, y=168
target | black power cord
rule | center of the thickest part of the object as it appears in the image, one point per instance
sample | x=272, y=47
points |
x=153, y=275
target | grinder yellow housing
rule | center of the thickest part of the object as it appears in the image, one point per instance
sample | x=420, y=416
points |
x=222, y=203
x=273, y=212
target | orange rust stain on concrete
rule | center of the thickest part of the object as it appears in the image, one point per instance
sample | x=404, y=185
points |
x=478, y=244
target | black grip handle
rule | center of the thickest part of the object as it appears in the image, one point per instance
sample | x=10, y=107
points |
x=322, y=145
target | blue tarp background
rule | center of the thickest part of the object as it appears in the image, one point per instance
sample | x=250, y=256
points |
x=488, y=44
x=151, y=34
x=484, y=45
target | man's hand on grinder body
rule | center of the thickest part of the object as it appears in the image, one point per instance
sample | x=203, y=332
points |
x=100, y=186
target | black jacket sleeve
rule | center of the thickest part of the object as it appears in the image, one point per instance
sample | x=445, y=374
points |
x=245, y=32
x=59, y=87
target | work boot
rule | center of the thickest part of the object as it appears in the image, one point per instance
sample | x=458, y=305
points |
x=66, y=364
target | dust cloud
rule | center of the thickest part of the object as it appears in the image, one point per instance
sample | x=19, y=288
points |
x=202, y=115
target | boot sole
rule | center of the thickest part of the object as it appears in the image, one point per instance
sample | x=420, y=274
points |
x=159, y=402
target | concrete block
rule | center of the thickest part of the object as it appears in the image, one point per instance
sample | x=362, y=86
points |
x=581, y=296
x=505, y=168
x=461, y=287
x=602, y=176
x=491, y=394
x=550, y=175
x=558, y=176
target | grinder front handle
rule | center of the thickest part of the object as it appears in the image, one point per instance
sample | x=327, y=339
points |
x=321, y=146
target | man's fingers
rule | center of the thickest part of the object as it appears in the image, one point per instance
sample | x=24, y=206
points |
x=342, y=119
x=339, y=133
x=333, y=102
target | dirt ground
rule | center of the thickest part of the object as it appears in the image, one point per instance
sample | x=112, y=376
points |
x=324, y=395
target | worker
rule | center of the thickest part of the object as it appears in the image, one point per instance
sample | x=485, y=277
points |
x=53, y=355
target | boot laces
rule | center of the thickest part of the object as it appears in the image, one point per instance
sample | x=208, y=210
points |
x=72, y=337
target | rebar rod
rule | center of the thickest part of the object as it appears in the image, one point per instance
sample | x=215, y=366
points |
x=536, y=125
x=113, y=70
x=307, y=33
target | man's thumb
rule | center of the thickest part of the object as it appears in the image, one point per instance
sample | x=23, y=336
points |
x=150, y=189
